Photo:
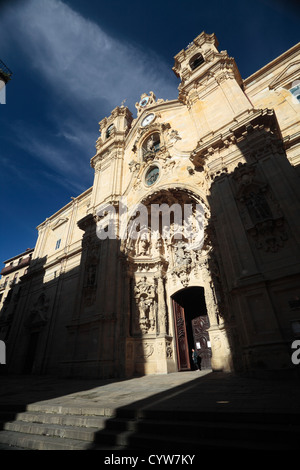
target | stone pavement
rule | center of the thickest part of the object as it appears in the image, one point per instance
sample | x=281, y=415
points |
x=179, y=391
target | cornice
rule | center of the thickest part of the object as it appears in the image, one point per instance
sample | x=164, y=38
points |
x=263, y=119
x=288, y=75
x=75, y=200
x=260, y=74
x=291, y=140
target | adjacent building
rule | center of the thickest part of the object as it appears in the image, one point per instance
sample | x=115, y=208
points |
x=188, y=238
x=10, y=286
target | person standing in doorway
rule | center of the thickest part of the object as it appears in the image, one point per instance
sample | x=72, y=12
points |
x=196, y=360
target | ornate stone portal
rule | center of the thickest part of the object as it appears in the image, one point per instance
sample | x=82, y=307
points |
x=162, y=260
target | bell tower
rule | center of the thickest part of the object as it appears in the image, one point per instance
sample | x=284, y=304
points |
x=191, y=62
x=211, y=77
x=108, y=160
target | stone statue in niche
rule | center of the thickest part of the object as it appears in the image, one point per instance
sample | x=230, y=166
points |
x=159, y=246
x=144, y=288
x=183, y=262
x=258, y=207
x=91, y=276
x=150, y=144
x=144, y=246
x=182, y=254
x=144, y=293
x=146, y=315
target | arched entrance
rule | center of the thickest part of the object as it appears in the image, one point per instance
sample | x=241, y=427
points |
x=191, y=327
x=162, y=247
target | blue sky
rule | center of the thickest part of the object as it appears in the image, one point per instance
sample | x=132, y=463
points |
x=73, y=61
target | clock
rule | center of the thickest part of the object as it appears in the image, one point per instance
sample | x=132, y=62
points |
x=148, y=119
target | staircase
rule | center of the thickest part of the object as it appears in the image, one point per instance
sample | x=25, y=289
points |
x=44, y=427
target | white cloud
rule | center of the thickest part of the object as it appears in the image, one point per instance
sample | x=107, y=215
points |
x=80, y=61
x=84, y=71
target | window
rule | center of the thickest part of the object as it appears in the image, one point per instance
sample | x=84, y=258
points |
x=57, y=244
x=109, y=130
x=296, y=92
x=152, y=175
x=196, y=61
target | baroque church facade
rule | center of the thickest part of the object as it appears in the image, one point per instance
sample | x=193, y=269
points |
x=188, y=238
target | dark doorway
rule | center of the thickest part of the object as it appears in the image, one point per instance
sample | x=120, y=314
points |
x=31, y=352
x=191, y=325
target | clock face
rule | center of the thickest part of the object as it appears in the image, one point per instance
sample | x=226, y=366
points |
x=148, y=119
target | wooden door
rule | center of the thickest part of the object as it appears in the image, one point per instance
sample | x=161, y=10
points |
x=200, y=326
x=181, y=338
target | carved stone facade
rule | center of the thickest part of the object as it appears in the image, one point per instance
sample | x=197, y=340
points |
x=188, y=238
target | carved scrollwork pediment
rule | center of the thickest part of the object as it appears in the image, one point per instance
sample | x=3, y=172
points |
x=152, y=145
x=246, y=181
x=144, y=132
x=168, y=136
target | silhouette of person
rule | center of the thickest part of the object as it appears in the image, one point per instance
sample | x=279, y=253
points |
x=196, y=360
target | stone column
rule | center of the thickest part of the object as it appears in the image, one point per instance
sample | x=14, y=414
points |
x=162, y=310
x=221, y=354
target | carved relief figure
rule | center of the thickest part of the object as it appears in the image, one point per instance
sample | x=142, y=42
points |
x=144, y=293
x=182, y=254
x=258, y=206
x=144, y=245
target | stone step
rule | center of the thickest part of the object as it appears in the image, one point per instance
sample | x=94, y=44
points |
x=72, y=410
x=49, y=427
x=55, y=418
x=58, y=409
x=53, y=430
x=19, y=440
